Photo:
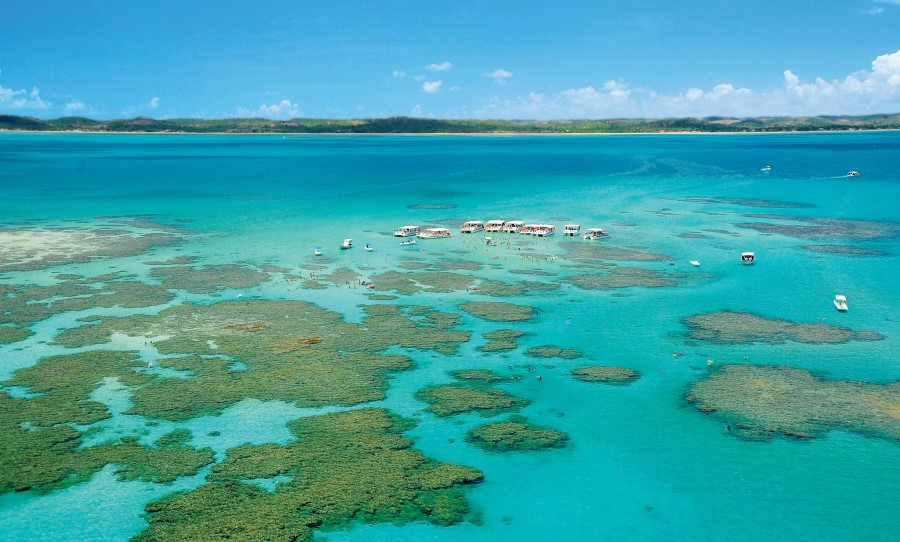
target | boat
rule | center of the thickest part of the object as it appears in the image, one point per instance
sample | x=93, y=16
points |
x=747, y=258
x=767, y=168
x=594, y=233
x=407, y=231
x=853, y=174
x=471, y=227
x=408, y=242
x=434, y=233
x=540, y=230
x=494, y=225
x=512, y=226
x=695, y=263
x=489, y=240
x=348, y=243
x=369, y=247
x=840, y=303
x=318, y=251
x=571, y=230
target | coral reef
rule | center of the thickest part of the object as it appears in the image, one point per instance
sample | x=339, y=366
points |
x=208, y=279
x=451, y=399
x=502, y=340
x=625, y=277
x=744, y=327
x=515, y=435
x=477, y=375
x=606, y=374
x=553, y=352
x=499, y=311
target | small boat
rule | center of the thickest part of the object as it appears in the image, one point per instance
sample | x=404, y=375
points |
x=595, y=233
x=407, y=231
x=840, y=303
x=853, y=174
x=512, y=226
x=767, y=168
x=434, y=233
x=348, y=243
x=494, y=226
x=489, y=240
x=747, y=258
x=571, y=230
x=471, y=226
x=408, y=242
x=369, y=247
x=695, y=263
x=318, y=251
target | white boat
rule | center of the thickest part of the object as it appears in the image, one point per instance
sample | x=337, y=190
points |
x=489, y=240
x=853, y=174
x=767, y=168
x=348, y=243
x=840, y=303
x=512, y=226
x=494, y=225
x=434, y=233
x=571, y=230
x=369, y=247
x=318, y=251
x=594, y=233
x=695, y=263
x=407, y=231
x=544, y=230
x=408, y=242
x=471, y=227
x=747, y=258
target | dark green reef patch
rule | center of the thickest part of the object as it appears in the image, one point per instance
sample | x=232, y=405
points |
x=499, y=311
x=843, y=250
x=624, y=277
x=347, y=467
x=606, y=374
x=452, y=399
x=208, y=279
x=553, y=352
x=428, y=281
x=823, y=228
x=761, y=402
x=743, y=327
x=477, y=375
x=10, y=334
x=293, y=351
x=178, y=260
x=750, y=202
x=600, y=251
x=516, y=435
x=502, y=340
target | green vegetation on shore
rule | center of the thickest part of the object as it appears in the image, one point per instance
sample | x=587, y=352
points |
x=408, y=125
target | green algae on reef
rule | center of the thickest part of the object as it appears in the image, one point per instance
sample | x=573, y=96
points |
x=743, y=327
x=427, y=281
x=451, y=399
x=553, y=352
x=599, y=251
x=41, y=451
x=208, y=279
x=515, y=435
x=624, y=277
x=750, y=202
x=477, y=375
x=502, y=340
x=606, y=374
x=293, y=351
x=9, y=334
x=343, y=467
x=823, y=228
x=761, y=402
x=843, y=250
x=498, y=311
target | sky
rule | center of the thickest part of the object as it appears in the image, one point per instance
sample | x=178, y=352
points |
x=503, y=59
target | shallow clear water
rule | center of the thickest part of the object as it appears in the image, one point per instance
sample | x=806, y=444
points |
x=641, y=464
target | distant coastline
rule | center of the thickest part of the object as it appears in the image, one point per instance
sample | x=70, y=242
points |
x=422, y=126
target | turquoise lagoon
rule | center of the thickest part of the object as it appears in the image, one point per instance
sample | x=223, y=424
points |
x=641, y=463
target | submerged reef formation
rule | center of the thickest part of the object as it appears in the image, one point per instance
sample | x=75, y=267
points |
x=208, y=279
x=42, y=450
x=10, y=334
x=452, y=399
x=516, y=435
x=761, y=402
x=293, y=351
x=429, y=281
x=823, y=228
x=502, y=340
x=598, y=252
x=750, y=202
x=843, y=250
x=743, y=327
x=606, y=374
x=35, y=247
x=553, y=352
x=625, y=277
x=343, y=467
x=499, y=311
x=477, y=375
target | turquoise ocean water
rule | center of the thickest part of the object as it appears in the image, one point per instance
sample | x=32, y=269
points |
x=641, y=463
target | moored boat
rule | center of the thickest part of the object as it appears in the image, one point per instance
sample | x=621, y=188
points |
x=747, y=258
x=544, y=230
x=318, y=251
x=434, y=233
x=513, y=226
x=594, y=233
x=840, y=303
x=494, y=225
x=369, y=247
x=571, y=230
x=408, y=242
x=407, y=231
x=471, y=226
x=348, y=243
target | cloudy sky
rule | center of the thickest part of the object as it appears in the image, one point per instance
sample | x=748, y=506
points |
x=518, y=59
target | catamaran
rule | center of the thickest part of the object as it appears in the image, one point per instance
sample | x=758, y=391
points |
x=471, y=227
x=595, y=233
x=434, y=233
x=571, y=230
x=407, y=231
x=513, y=226
x=494, y=225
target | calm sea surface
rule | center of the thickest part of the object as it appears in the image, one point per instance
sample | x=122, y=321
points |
x=641, y=464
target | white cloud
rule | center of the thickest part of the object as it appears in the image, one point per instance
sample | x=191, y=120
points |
x=22, y=99
x=442, y=67
x=398, y=73
x=285, y=109
x=875, y=10
x=75, y=105
x=153, y=103
x=416, y=111
x=499, y=76
x=867, y=91
x=431, y=86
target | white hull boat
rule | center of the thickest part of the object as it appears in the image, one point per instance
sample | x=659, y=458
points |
x=840, y=303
